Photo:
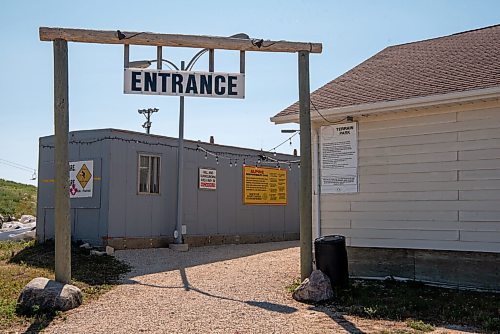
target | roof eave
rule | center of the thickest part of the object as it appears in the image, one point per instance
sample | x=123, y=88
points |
x=398, y=105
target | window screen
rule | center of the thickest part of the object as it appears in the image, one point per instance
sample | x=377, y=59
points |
x=149, y=174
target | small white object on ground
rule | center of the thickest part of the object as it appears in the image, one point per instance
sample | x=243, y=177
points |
x=96, y=252
x=110, y=250
x=86, y=246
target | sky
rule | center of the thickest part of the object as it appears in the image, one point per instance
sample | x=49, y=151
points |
x=350, y=31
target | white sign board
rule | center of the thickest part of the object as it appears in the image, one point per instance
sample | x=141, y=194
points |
x=207, y=178
x=184, y=83
x=339, y=158
x=81, y=179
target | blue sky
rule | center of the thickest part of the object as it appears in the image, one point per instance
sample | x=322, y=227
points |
x=351, y=31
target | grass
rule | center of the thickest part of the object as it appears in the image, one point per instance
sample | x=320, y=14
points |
x=17, y=199
x=22, y=261
x=421, y=306
x=294, y=285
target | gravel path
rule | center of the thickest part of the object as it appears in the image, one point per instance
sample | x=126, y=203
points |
x=216, y=289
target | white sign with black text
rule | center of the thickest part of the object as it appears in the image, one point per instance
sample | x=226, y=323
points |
x=81, y=179
x=184, y=83
x=208, y=178
x=339, y=158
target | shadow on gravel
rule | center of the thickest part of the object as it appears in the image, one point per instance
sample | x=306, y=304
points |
x=273, y=307
x=39, y=324
x=155, y=260
x=339, y=319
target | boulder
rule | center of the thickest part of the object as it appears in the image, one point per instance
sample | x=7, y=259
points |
x=97, y=252
x=27, y=219
x=48, y=295
x=315, y=289
x=86, y=246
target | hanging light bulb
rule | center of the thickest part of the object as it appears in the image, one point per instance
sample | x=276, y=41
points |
x=244, y=162
x=290, y=141
x=289, y=166
x=278, y=165
x=298, y=165
x=206, y=155
x=230, y=163
x=258, y=161
x=235, y=163
x=217, y=159
x=274, y=153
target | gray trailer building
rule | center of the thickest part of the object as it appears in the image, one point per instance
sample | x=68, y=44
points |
x=131, y=202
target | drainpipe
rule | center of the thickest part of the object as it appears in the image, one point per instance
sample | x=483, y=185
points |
x=317, y=188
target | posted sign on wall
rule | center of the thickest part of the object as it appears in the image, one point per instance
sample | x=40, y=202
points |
x=207, y=178
x=263, y=185
x=184, y=83
x=339, y=158
x=81, y=179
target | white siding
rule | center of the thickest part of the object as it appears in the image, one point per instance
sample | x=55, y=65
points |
x=428, y=179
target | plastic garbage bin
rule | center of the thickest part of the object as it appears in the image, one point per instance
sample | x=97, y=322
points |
x=331, y=258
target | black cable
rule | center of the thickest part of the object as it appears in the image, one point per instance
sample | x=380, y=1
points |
x=286, y=140
x=336, y=122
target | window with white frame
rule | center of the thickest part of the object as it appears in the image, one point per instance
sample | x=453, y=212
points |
x=149, y=174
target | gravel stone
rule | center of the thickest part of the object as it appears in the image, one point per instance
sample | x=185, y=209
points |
x=235, y=289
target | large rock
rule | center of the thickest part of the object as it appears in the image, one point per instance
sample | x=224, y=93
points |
x=315, y=289
x=27, y=219
x=48, y=295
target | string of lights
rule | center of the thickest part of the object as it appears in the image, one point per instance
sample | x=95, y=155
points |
x=234, y=158
x=260, y=159
x=289, y=139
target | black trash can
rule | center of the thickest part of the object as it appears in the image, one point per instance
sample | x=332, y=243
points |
x=331, y=259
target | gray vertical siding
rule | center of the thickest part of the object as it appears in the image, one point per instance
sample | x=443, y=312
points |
x=117, y=210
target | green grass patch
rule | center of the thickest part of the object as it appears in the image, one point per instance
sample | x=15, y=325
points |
x=424, y=305
x=419, y=325
x=20, y=262
x=294, y=285
x=17, y=199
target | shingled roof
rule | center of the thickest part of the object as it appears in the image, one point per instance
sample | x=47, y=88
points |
x=461, y=62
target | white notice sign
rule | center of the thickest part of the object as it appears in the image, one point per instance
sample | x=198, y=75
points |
x=208, y=178
x=339, y=158
x=81, y=179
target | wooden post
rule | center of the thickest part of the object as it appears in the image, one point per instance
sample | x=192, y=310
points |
x=305, y=168
x=61, y=128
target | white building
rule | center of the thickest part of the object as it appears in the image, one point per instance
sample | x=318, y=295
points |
x=427, y=204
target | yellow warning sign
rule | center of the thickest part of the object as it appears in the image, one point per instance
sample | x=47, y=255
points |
x=84, y=176
x=264, y=185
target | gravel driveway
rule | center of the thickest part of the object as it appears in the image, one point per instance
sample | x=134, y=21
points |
x=215, y=289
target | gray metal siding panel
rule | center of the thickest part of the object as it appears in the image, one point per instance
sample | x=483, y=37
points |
x=126, y=214
x=117, y=183
x=86, y=225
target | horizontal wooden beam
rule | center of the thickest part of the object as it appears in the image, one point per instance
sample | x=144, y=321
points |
x=175, y=40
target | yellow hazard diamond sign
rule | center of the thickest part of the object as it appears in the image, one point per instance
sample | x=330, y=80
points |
x=84, y=176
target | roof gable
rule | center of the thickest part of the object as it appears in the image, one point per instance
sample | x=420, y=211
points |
x=461, y=62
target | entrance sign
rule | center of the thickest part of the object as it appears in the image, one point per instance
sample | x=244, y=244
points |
x=207, y=178
x=339, y=158
x=264, y=185
x=81, y=179
x=184, y=83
